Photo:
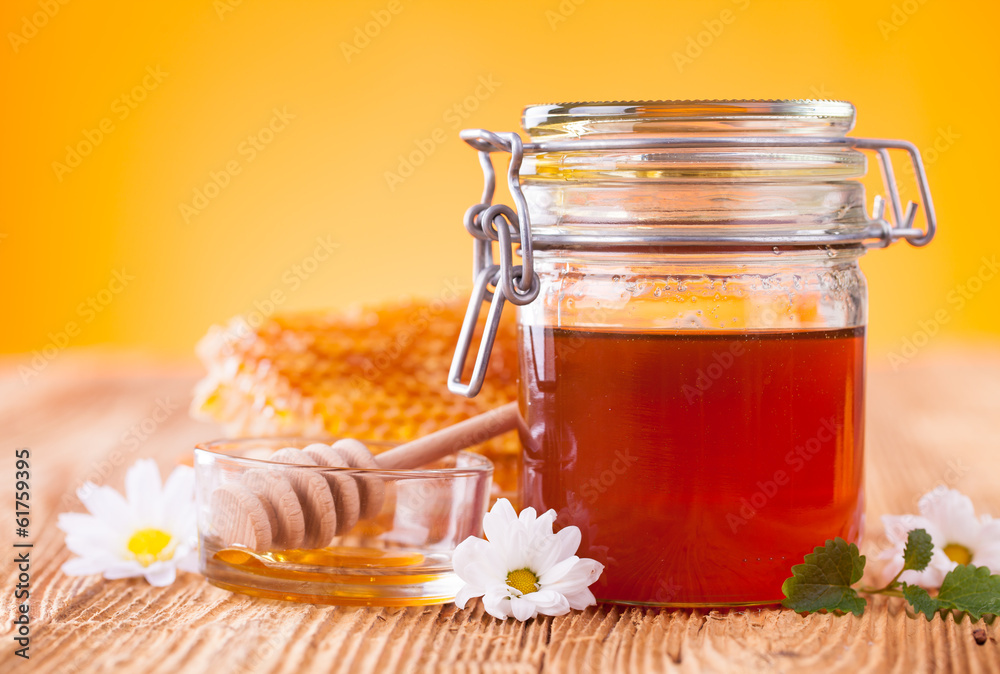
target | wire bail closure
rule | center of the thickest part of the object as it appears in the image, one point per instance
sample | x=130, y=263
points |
x=488, y=222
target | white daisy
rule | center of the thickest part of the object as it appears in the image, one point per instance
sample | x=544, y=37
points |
x=524, y=569
x=959, y=537
x=151, y=533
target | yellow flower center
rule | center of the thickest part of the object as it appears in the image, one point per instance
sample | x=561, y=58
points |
x=958, y=553
x=524, y=580
x=148, y=546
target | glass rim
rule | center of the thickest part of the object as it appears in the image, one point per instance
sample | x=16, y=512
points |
x=665, y=117
x=836, y=113
x=480, y=464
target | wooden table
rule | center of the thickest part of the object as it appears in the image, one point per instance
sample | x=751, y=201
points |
x=92, y=414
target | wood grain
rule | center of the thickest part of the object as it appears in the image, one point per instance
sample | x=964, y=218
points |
x=90, y=415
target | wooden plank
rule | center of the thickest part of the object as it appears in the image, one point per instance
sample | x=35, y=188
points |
x=91, y=415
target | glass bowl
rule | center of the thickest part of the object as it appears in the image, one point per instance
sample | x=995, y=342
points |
x=395, y=551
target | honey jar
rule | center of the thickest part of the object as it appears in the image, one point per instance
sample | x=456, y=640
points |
x=691, y=321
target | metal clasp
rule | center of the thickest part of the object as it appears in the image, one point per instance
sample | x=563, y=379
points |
x=488, y=222
x=901, y=226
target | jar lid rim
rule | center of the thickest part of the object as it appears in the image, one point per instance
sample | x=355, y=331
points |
x=684, y=116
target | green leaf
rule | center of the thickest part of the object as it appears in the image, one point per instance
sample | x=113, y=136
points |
x=823, y=581
x=920, y=600
x=918, y=551
x=970, y=589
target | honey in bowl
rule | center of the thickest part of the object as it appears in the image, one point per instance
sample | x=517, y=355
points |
x=307, y=541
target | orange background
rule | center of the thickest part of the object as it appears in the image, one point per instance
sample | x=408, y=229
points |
x=924, y=70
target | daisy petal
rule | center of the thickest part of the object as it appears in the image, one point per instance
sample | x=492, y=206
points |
x=497, y=604
x=178, y=498
x=475, y=563
x=523, y=609
x=933, y=575
x=71, y=522
x=897, y=527
x=562, y=545
x=580, y=599
x=986, y=549
x=107, y=505
x=953, y=514
x=497, y=523
x=558, y=572
x=892, y=567
x=180, y=484
x=187, y=561
x=86, y=535
x=123, y=569
x=466, y=593
x=583, y=574
x=520, y=549
x=143, y=490
x=549, y=603
x=989, y=559
x=83, y=566
x=542, y=525
x=89, y=546
x=160, y=574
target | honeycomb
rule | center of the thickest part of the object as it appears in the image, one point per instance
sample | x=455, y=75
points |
x=372, y=373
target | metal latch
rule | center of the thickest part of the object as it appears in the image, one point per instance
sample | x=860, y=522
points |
x=488, y=222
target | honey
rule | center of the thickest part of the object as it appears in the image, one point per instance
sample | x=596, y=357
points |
x=342, y=575
x=698, y=465
x=370, y=565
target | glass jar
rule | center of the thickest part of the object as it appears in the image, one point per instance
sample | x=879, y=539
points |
x=691, y=330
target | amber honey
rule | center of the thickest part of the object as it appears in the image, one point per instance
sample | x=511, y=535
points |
x=699, y=466
x=344, y=575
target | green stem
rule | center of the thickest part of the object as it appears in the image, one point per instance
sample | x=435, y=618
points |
x=883, y=591
x=887, y=589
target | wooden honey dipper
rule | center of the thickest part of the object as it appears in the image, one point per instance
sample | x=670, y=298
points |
x=306, y=508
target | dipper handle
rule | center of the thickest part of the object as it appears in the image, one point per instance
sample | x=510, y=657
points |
x=440, y=444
